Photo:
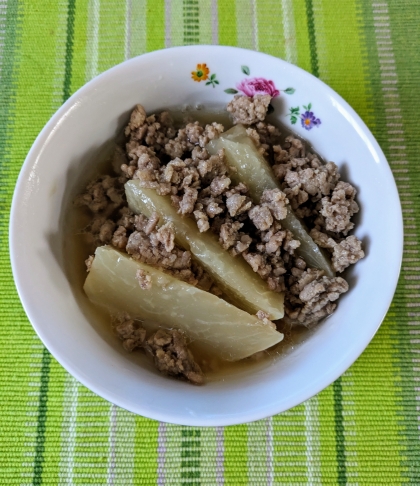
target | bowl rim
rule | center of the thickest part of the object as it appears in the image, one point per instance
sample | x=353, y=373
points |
x=146, y=410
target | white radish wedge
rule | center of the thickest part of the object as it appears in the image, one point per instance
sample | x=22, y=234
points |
x=227, y=331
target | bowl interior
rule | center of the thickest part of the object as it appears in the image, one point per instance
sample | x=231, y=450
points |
x=83, y=130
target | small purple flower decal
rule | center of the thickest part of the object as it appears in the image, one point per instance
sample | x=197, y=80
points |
x=308, y=119
x=257, y=86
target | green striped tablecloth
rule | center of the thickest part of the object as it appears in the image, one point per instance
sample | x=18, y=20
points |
x=363, y=429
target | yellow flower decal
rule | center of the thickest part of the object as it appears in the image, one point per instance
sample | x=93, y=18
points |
x=201, y=73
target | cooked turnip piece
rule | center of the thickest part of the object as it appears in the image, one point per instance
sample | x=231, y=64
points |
x=253, y=170
x=218, y=326
x=233, y=275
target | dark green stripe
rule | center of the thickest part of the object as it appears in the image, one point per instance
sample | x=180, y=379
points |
x=46, y=357
x=312, y=38
x=42, y=418
x=191, y=22
x=339, y=433
x=190, y=453
x=71, y=10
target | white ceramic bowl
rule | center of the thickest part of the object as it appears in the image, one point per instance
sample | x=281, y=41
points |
x=80, y=130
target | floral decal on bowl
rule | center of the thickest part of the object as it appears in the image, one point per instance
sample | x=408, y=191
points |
x=201, y=73
x=257, y=86
x=307, y=118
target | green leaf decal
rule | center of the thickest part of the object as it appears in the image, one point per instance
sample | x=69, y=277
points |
x=217, y=82
x=208, y=82
x=293, y=119
x=289, y=91
x=212, y=77
x=245, y=70
x=230, y=91
x=309, y=106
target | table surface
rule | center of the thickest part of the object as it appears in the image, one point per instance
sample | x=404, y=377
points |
x=363, y=429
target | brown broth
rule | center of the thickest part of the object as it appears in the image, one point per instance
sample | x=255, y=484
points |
x=78, y=247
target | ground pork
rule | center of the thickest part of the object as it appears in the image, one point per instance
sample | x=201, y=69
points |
x=247, y=110
x=317, y=182
x=322, y=239
x=347, y=252
x=89, y=262
x=144, y=279
x=172, y=357
x=131, y=333
x=261, y=216
x=154, y=131
x=312, y=296
x=103, y=195
x=339, y=208
x=167, y=348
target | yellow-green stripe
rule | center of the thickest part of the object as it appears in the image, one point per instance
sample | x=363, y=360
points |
x=227, y=23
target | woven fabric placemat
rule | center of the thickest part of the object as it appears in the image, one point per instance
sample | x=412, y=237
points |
x=363, y=429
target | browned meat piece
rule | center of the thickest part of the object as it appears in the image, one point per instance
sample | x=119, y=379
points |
x=166, y=235
x=269, y=135
x=316, y=182
x=131, y=334
x=137, y=119
x=210, y=132
x=339, y=208
x=219, y=185
x=322, y=239
x=312, y=297
x=187, y=202
x=103, y=195
x=155, y=131
x=229, y=234
x=247, y=110
x=258, y=263
x=88, y=262
x=276, y=201
x=261, y=217
x=172, y=356
x=202, y=221
x=119, y=238
x=106, y=231
x=347, y=252
x=296, y=197
x=237, y=204
x=144, y=279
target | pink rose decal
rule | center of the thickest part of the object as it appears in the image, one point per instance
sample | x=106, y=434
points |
x=257, y=86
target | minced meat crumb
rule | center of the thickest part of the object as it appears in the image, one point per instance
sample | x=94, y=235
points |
x=339, y=208
x=89, y=262
x=131, y=333
x=144, y=279
x=312, y=296
x=172, y=357
x=247, y=110
x=346, y=253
